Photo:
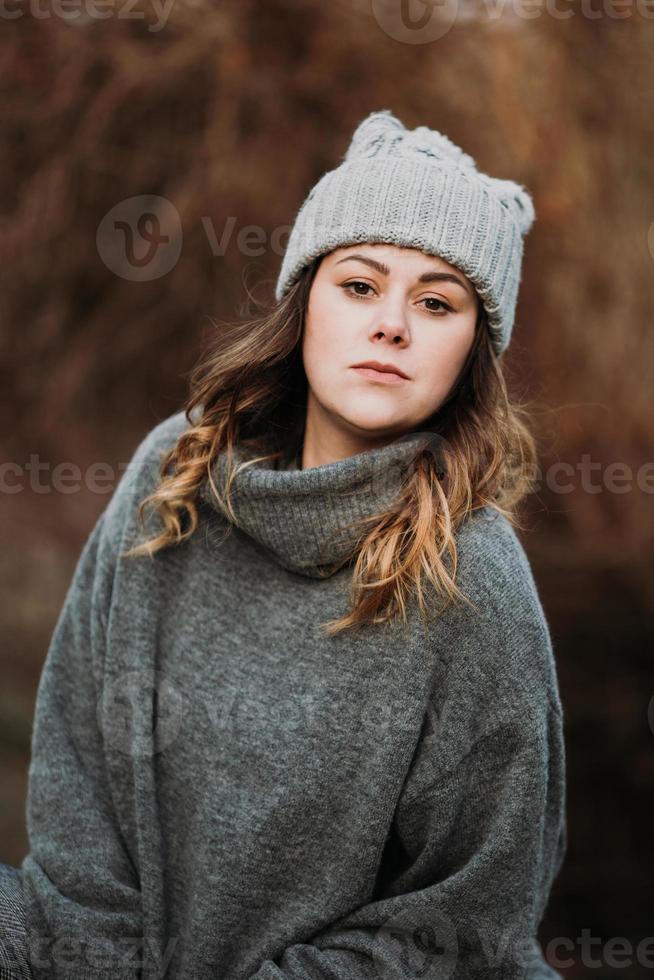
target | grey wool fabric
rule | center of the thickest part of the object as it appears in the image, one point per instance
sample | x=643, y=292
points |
x=415, y=188
x=220, y=791
x=14, y=963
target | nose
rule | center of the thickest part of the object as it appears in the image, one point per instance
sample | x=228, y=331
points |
x=390, y=322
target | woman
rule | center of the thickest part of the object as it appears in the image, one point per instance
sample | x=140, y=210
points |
x=300, y=715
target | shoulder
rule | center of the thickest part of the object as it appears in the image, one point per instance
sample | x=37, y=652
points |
x=158, y=440
x=504, y=644
x=494, y=567
x=141, y=474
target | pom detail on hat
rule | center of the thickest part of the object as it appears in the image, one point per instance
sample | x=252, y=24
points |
x=516, y=200
x=377, y=131
x=382, y=132
x=524, y=209
x=436, y=145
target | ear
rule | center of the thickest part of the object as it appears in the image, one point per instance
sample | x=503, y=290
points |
x=376, y=131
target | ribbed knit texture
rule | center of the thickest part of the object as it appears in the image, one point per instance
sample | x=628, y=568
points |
x=279, y=508
x=290, y=805
x=417, y=189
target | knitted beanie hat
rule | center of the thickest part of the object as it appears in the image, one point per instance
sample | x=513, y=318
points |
x=416, y=188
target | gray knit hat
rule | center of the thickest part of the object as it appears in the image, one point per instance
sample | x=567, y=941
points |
x=416, y=188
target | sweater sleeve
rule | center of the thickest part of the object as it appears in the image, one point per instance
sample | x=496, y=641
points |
x=81, y=885
x=478, y=836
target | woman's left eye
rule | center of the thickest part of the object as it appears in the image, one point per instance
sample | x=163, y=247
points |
x=350, y=287
x=432, y=299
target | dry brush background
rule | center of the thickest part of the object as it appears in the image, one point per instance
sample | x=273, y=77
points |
x=231, y=111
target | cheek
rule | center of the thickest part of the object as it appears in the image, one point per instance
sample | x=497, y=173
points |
x=325, y=333
x=317, y=352
x=312, y=344
x=444, y=354
x=452, y=343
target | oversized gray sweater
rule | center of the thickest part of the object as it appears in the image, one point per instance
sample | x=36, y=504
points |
x=219, y=791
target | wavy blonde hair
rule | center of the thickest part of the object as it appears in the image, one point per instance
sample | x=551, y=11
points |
x=251, y=388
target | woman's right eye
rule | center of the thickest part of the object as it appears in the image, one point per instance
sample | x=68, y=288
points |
x=356, y=282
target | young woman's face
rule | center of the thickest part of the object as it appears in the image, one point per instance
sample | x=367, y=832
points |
x=399, y=307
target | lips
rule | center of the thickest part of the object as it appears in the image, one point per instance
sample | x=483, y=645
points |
x=382, y=368
x=387, y=378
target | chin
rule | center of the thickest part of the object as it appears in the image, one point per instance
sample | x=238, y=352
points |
x=374, y=426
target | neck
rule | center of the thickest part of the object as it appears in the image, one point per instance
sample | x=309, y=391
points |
x=325, y=441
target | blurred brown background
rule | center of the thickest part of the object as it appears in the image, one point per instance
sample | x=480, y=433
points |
x=229, y=113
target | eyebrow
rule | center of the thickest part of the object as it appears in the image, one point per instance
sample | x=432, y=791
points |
x=431, y=276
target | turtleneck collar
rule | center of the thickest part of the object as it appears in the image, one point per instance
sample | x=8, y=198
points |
x=301, y=515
